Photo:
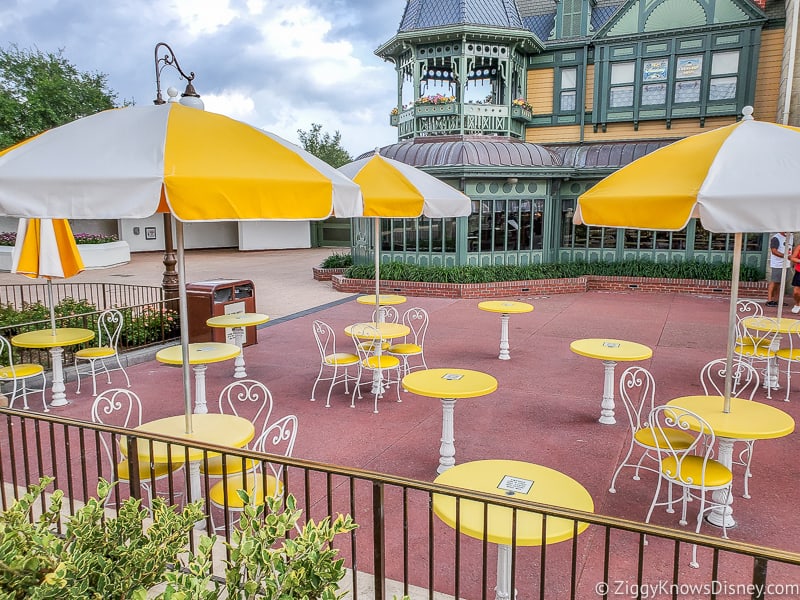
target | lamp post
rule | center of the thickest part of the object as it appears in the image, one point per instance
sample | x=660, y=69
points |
x=189, y=97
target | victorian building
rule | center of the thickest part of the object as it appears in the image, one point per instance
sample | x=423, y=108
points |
x=525, y=104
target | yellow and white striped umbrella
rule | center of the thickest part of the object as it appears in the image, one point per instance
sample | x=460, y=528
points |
x=46, y=248
x=199, y=166
x=740, y=178
x=743, y=177
x=133, y=162
x=393, y=189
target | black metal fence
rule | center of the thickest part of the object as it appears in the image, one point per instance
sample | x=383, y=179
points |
x=147, y=317
x=102, y=295
x=400, y=546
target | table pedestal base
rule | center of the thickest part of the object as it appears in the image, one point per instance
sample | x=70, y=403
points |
x=194, y=488
x=607, y=405
x=723, y=515
x=504, y=346
x=447, y=450
x=59, y=397
x=200, y=406
x=503, y=588
x=238, y=363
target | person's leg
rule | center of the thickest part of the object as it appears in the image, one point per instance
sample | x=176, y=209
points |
x=773, y=294
x=796, y=292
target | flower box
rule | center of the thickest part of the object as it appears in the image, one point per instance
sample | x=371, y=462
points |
x=95, y=256
x=425, y=110
x=520, y=113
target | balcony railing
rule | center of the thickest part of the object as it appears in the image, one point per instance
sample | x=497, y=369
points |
x=401, y=546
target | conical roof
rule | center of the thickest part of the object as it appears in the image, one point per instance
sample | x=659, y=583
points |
x=425, y=14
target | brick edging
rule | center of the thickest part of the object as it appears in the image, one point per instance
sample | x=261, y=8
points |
x=323, y=274
x=501, y=289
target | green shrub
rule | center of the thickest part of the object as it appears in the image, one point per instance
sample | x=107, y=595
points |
x=337, y=261
x=118, y=558
x=694, y=269
x=147, y=324
x=113, y=558
x=9, y=238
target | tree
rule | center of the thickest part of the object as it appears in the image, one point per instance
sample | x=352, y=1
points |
x=39, y=91
x=324, y=146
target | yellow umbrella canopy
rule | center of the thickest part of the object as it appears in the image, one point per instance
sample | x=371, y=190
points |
x=741, y=178
x=392, y=189
x=46, y=248
x=200, y=166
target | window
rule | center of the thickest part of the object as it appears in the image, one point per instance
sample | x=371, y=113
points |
x=621, y=95
x=724, y=70
x=505, y=225
x=654, y=71
x=688, y=70
x=569, y=84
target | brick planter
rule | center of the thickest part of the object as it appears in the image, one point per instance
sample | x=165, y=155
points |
x=321, y=274
x=540, y=287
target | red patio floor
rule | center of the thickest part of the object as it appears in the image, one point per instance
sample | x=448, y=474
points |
x=545, y=409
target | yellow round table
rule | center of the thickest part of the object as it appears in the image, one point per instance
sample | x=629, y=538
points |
x=449, y=385
x=610, y=352
x=200, y=355
x=373, y=330
x=237, y=322
x=55, y=339
x=505, y=308
x=383, y=300
x=223, y=430
x=747, y=420
x=387, y=299
x=520, y=480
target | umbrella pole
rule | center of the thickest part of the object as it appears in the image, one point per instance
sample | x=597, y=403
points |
x=787, y=248
x=52, y=306
x=184, y=323
x=737, y=261
x=376, y=251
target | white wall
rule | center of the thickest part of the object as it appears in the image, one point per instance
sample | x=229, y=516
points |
x=274, y=235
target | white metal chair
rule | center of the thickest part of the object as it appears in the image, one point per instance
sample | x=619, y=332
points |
x=790, y=355
x=389, y=314
x=332, y=360
x=109, y=327
x=691, y=468
x=414, y=343
x=123, y=408
x=759, y=346
x=244, y=398
x=384, y=369
x=19, y=375
x=265, y=479
x=744, y=383
x=637, y=389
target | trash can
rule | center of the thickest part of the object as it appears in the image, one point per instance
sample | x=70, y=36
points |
x=206, y=299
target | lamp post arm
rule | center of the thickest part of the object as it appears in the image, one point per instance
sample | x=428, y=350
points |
x=169, y=58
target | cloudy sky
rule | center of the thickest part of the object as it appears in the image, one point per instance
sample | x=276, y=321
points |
x=278, y=64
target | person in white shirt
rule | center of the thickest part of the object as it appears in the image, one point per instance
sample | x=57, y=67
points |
x=777, y=263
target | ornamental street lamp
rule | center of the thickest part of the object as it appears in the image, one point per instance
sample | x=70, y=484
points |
x=191, y=98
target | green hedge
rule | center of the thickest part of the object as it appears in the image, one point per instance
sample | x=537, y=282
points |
x=397, y=271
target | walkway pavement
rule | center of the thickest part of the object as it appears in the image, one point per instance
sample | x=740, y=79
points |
x=545, y=409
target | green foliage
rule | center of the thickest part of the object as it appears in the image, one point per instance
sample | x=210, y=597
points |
x=98, y=556
x=147, y=324
x=338, y=261
x=39, y=91
x=116, y=558
x=36, y=311
x=265, y=562
x=9, y=238
x=325, y=146
x=694, y=269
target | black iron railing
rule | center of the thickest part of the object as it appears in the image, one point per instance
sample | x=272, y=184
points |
x=400, y=545
x=102, y=295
